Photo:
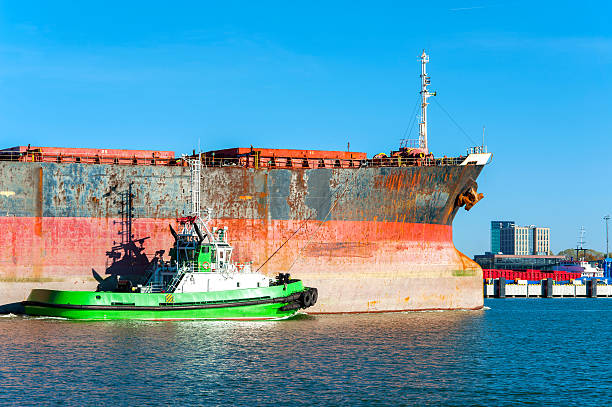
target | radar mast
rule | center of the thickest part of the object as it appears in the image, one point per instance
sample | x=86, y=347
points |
x=425, y=94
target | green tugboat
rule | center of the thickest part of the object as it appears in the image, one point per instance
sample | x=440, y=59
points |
x=200, y=281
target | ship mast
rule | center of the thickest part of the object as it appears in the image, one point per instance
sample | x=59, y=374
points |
x=580, y=245
x=425, y=94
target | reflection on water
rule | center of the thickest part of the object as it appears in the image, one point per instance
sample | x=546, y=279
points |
x=512, y=352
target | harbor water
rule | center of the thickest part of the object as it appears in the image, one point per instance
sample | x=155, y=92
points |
x=516, y=351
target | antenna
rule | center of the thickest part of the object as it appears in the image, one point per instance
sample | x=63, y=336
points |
x=425, y=94
x=483, y=136
x=607, y=218
x=581, y=241
x=580, y=244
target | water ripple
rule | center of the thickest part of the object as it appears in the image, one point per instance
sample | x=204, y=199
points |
x=541, y=352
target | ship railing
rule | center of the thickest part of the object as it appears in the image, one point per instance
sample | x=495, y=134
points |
x=477, y=150
x=243, y=267
x=310, y=163
x=152, y=288
x=190, y=267
x=248, y=161
x=411, y=143
x=413, y=161
x=45, y=157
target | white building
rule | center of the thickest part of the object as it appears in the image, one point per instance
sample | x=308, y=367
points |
x=523, y=240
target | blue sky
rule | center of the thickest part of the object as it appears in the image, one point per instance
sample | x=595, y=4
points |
x=163, y=75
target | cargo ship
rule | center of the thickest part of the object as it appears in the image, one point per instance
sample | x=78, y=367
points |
x=373, y=234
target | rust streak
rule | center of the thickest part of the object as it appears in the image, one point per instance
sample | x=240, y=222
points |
x=39, y=204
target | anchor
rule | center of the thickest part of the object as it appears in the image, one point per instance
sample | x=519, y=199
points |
x=469, y=197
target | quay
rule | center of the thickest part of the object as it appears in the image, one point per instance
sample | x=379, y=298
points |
x=546, y=288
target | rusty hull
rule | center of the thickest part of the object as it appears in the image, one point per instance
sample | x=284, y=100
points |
x=370, y=239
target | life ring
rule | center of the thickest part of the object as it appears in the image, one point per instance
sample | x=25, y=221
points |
x=205, y=265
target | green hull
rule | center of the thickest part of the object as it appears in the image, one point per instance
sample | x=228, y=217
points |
x=273, y=302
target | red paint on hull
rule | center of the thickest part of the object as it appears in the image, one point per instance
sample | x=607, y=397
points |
x=62, y=246
x=362, y=266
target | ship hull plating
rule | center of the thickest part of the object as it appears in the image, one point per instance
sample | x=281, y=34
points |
x=371, y=239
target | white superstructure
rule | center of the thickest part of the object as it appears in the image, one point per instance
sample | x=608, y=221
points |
x=206, y=282
x=590, y=271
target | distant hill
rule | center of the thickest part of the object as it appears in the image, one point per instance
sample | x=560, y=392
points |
x=590, y=255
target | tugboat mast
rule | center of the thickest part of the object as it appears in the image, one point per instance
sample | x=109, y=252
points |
x=196, y=223
x=195, y=167
x=425, y=94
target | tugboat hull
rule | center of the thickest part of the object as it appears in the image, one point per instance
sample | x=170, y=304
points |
x=275, y=302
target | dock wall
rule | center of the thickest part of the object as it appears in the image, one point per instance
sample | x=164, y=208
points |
x=539, y=290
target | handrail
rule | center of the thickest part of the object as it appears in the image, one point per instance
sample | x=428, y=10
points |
x=190, y=266
x=175, y=281
x=247, y=161
x=41, y=156
x=152, y=288
x=311, y=163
